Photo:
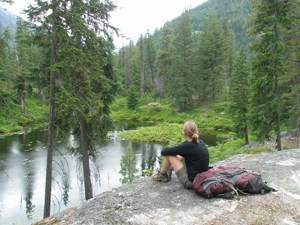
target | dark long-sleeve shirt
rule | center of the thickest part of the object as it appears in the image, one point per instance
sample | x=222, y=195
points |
x=196, y=156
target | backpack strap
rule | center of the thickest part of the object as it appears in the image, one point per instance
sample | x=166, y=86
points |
x=232, y=188
x=242, y=192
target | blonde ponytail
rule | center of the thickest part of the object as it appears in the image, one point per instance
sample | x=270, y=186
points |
x=190, y=130
x=195, y=138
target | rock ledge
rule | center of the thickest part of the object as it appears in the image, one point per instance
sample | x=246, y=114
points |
x=146, y=202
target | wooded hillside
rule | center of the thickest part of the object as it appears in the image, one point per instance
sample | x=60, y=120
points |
x=245, y=53
x=240, y=52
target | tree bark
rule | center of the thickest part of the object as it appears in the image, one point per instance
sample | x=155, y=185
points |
x=84, y=145
x=23, y=101
x=47, y=205
x=277, y=90
x=246, y=136
x=42, y=96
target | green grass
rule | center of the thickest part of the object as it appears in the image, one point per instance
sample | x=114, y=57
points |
x=170, y=134
x=233, y=147
x=168, y=128
x=14, y=120
x=208, y=118
x=165, y=133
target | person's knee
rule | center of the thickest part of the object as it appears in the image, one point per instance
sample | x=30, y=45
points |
x=175, y=163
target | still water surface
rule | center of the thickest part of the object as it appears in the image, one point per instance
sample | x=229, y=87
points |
x=23, y=169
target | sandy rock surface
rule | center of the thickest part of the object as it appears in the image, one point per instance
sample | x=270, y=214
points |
x=146, y=202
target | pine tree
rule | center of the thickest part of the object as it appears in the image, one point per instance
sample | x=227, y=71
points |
x=211, y=60
x=238, y=95
x=87, y=84
x=47, y=15
x=142, y=60
x=292, y=78
x=182, y=66
x=164, y=63
x=132, y=96
x=5, y=54
x=81, y=53
x=268, y=25
x=229, y=54
x=22, y=60
x=130, y=70
x=150, y=56
x=6, y=66
x=128, y=166
x=27, y=58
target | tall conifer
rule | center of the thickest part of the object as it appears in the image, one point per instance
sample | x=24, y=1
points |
x=150, y=55
x=81, y=53
x=182, y=68
x=268, y=25
x=292, y=78
x=211, y=59
x=164, y=62
x=238, y=95
x=86, y=87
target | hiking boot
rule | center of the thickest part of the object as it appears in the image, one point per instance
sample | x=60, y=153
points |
x=169, y=172
x=161, y=177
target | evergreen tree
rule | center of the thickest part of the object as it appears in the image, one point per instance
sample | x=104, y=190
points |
x=5, y=54
x=132, y=98
x=22, y=60
x=182, y=66
x=292, y=78
x=130, y=67
x=150, y=56
x=87, y=84
x=128, y=166
x=164, y=63
x=142, y=60
x=210, y=63
x=27, y=58
x=81, y=53
x=6, y=65
x=269, y=23
x=238, y=95
x=229, y=54
x=50, y=22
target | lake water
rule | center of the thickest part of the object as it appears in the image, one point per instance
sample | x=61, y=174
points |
x=23, y=170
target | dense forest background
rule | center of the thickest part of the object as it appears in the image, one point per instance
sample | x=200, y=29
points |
x=243, y=52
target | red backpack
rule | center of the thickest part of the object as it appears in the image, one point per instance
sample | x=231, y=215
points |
x=228, y=182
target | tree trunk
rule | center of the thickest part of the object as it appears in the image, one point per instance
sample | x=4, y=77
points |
x=246, y=136
x=277, y=119
x=50, y=148
x=84, y=145
x=23, y=101
x=278, y=136
x=277, y=88
x=42, y=96
x=47, y=205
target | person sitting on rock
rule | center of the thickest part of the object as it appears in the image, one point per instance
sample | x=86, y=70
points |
x=187, y=159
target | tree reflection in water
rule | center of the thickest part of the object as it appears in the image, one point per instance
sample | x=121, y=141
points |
x=22, y=173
